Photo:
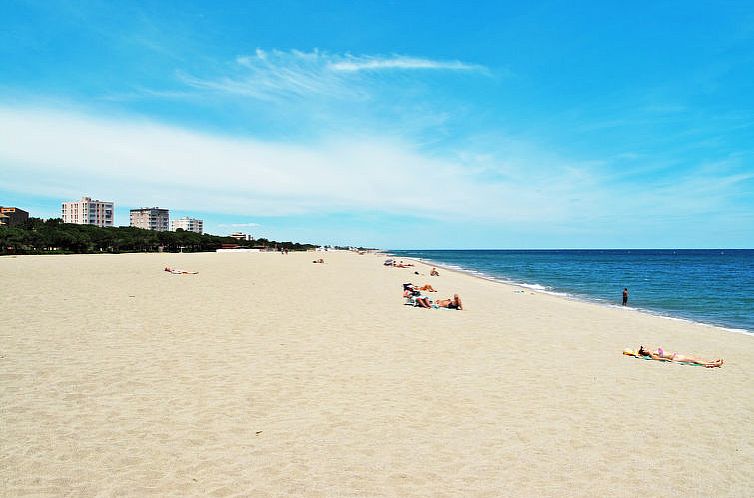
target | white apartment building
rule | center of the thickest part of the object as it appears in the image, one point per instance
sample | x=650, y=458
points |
x=241, y=236
x=88, y=212
x=187, y=224
x=156, y=219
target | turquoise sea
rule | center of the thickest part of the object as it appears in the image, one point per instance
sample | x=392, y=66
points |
x=713, y=286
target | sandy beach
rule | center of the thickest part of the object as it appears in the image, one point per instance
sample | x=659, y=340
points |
x=267, y=375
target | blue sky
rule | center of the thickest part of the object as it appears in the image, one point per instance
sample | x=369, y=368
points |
x=390, y=124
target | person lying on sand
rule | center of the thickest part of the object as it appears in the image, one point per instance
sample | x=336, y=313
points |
x=320, y=260
x=426, y=287
x=451, y=304
x=662, y=355
x=422, y=302
x=415, y=288
x=176, y=271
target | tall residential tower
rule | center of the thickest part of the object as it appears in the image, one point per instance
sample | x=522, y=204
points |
x=151, y=219
x=88, y=212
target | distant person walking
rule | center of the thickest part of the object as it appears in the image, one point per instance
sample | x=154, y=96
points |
x=625, y=296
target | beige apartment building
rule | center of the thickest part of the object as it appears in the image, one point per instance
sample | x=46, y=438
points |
x=156, y=219
x=12, y=216
x=88, y=212
x=187, y=224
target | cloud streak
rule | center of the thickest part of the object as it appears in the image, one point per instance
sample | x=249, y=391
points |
x=368, y=63
x=137, y=162
x=268, y=75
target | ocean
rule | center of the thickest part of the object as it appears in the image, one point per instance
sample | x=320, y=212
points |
x=712, y=286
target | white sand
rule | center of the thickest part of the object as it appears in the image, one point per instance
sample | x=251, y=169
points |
x=267, y=375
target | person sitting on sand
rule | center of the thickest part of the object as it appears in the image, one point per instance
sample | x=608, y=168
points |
x=434, y=272
x=451, y=304
x=176, y=271
x=662, y=355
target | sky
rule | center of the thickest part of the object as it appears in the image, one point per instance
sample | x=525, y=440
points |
x=390, y=124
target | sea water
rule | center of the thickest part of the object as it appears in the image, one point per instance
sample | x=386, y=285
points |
x=713, y=286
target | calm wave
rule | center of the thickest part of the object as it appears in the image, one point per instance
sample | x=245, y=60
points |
x=708, y=286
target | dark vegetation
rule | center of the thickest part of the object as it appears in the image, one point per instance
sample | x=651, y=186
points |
x=53, y=236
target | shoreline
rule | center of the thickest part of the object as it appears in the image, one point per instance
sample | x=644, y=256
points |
x=573, y=297
x=472, y=273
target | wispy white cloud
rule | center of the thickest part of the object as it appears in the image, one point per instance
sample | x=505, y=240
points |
x=135, y=162
x=142, y=93
x=272, y=74
x=278, y=75
x=351, y=63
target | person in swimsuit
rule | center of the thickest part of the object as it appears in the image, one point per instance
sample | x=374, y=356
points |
x=662, y=355
x=434, y=272
x=625, y=296
x=422, y=302
x=176, y=271
x=426, y=287
x=451, y=304
x=413, y=290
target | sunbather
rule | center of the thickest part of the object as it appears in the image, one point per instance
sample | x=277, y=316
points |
x=662, y=355
x=422, y=302
x=434, y=272
x=451, y=304
x=425, y=287
x=176, y=271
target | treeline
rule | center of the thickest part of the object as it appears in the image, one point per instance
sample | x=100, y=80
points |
x=53, y=236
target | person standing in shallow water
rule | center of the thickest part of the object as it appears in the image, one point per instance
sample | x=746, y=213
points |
x=625, y=296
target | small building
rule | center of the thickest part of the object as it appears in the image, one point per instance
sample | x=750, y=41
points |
x=187, y=224
x=241, y=236
x=157, y=219
x=12, y=216
x=88, y=212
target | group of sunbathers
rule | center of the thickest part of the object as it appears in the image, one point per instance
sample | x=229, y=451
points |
x=413, y=295
x=396, y=264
